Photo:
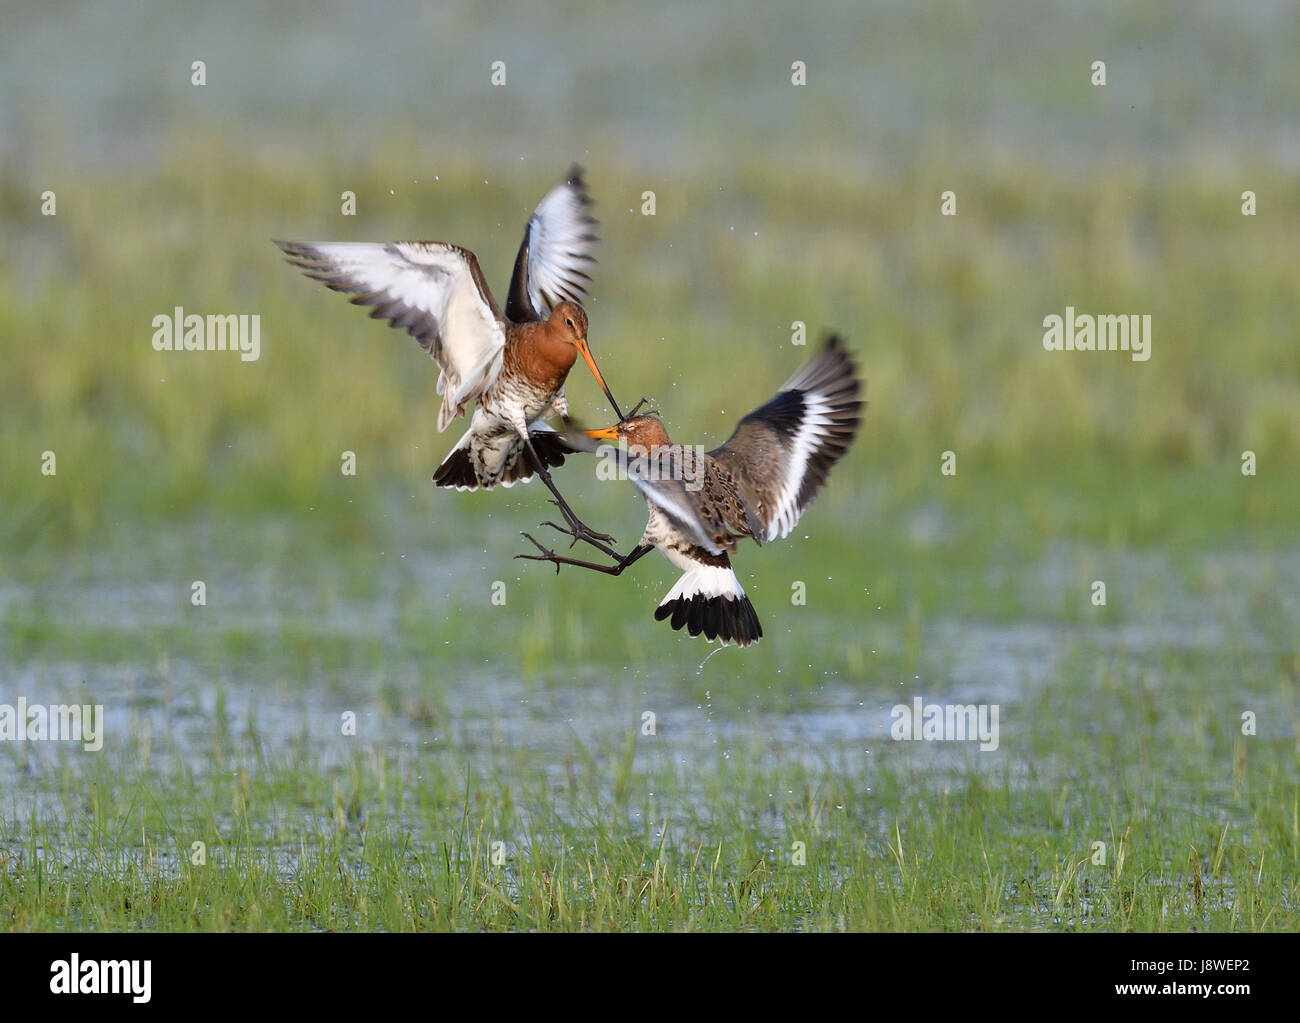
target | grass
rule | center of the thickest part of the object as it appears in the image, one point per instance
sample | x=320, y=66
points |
x=228, y=732
x=521, y=723
x=404, y=840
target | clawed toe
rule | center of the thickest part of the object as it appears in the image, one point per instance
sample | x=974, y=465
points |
x=584, y=532
x=579, y=531
x=545, y=555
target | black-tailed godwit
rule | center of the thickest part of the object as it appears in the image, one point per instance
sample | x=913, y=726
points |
x=513, y=364
x=755, y=485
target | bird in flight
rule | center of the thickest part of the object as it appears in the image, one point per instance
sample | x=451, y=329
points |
x=514, y=364
x=756, y=485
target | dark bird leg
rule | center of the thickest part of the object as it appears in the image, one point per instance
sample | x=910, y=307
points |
x=579, y=528
x=584, y=537
x=621, y=562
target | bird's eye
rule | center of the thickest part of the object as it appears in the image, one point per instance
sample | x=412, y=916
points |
x=569, y=322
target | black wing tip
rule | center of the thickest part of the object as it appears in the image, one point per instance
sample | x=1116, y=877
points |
x=834, y=374
x=293, y=251
x=306, y=256
x=576, y=179
x=576, y=176
x=726, y=619
x=835, y=347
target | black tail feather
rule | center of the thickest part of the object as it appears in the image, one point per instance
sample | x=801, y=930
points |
x=550, y=449
x=457, y=469
x=726, y=619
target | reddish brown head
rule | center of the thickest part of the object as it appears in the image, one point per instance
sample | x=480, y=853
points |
x=568, y=326
x=568, y=322
x=639, y=431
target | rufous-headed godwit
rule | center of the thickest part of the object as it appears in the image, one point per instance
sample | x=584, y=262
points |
x=514, y=364
x=755, y=485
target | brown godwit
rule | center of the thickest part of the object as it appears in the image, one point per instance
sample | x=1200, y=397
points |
x=757, y=485
x=514, y=364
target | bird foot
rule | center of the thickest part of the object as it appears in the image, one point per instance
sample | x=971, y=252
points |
x=637, y=408
x=566, y=532
x=578, y=529
x=546, y=554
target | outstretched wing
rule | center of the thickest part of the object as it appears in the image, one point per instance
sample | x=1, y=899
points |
x=555, y=254
x=434, y=291
x=781, y=453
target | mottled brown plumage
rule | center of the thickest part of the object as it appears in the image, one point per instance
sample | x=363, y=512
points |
x=755, y=485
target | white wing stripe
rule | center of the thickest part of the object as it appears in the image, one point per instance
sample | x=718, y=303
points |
x=817, y=417
x=560, y=244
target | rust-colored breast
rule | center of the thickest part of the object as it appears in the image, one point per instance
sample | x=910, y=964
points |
x=544, y=359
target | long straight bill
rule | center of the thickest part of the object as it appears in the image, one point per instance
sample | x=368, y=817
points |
x=591, y=365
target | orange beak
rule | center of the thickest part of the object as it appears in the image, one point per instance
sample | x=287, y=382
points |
x=591, y=365
x=608, y=433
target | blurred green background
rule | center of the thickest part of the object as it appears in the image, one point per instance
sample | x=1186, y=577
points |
x=775, y=204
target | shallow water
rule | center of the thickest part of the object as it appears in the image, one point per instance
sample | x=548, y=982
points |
x=167, y=706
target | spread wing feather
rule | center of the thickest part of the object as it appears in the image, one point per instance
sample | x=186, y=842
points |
x=556, y=254
x=781, y=453
x=434, y=291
